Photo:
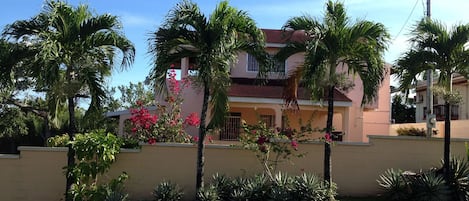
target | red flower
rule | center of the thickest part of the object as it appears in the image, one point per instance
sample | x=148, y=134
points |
x=139, y=103
x=196, y=138
x=151, y=141
x=192, y=120
x=134, y=130
x=261, y=140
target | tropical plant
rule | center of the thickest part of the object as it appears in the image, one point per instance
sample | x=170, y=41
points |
x=214, y=43
x=444, y=51
x=167, y=191
x=95, y=153
x=260, y=187
x=76, y=50
x=336, y=50
x=394, y=185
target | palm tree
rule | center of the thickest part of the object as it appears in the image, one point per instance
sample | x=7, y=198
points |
x=76, y=51
x=334, y=50
x=436, y=48
x=214, y=42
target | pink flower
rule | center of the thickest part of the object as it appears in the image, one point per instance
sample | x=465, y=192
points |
x=210, y=139
x=328, y=137
x=192, y=120
x=196, y=138
x=134, y=129
x=294, y=144
x=151, y=141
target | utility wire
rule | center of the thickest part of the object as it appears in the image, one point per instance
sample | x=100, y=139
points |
x=406, y=21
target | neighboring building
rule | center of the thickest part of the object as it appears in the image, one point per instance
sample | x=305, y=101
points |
x=458, y=112
x=252, y=103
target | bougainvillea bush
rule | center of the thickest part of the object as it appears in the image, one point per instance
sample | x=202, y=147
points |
x=271, y=145
x=167, y=124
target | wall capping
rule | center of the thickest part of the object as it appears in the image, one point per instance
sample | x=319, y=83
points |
x=385, y=137
x=64, y=149
x=49, y=149
x=9, y=156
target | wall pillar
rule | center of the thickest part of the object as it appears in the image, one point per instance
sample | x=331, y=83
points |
x=184, y=67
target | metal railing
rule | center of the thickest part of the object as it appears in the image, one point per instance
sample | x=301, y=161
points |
x=231, y=129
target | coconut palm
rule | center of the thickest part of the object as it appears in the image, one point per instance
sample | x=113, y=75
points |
x=76, y=51
x=335, y=50
x=434, y=47
x=214, y=42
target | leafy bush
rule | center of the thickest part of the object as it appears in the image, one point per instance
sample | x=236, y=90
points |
x=260, y=187
x=130, y=143
x=209, y=193
x=411, y=131
x=95, y=152
x=58, y=141
x=429, y=185
x=167, y=191
x=394, y=184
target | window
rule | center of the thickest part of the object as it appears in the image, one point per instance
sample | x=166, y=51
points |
x=232, y=127
x=268, y=120
x=253, y=65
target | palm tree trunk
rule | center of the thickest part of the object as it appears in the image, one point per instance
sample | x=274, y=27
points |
x=327, y=145
x=446, y=157
x=71, y=151
x=200, y=143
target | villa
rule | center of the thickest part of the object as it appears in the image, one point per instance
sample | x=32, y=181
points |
x=250, y=102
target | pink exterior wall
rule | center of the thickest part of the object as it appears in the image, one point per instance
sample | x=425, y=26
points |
x=378, y=121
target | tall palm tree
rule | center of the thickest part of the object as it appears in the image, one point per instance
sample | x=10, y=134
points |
x=335, y=49
x=76, y=51
x=436, y=48
x=214, y=42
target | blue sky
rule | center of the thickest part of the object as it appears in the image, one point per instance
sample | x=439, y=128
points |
x=140, y=17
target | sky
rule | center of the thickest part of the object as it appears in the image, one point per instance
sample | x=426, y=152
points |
x=141, y=17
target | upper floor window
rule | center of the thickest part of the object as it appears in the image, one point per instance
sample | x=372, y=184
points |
x=253, y=65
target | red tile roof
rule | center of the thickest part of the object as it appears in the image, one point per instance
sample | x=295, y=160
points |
x=280, y=36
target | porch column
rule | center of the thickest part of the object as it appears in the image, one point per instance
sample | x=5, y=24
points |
x=346, y=123
x=278, y=115
x=184, y=67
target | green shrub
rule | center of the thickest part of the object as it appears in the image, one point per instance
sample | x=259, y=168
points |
x=411, y=131
x=130, y=143
x=311, y=187
x=95, y=152
x=58, y=141
x=429, y=185
x=395, y=185
x=208, y=193
x=167, y=191
x=260, y=187
x=459, y=178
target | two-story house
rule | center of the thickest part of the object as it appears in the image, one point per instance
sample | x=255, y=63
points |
x=251, y=102
x=458, y=112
